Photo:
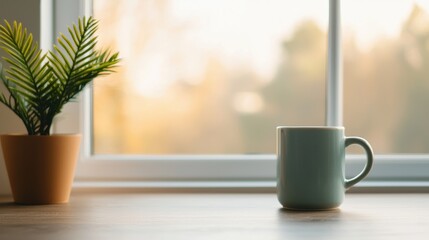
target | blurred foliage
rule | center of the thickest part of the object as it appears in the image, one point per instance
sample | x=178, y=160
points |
x=385, y=92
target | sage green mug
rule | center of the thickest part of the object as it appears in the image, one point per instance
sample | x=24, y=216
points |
x=311, y=166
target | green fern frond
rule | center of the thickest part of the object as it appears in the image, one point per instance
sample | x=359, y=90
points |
x=40, y=84
x=26, y=80
x=80, y=61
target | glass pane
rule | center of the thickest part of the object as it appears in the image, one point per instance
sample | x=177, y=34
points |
x=386, y=73
x=208, y=76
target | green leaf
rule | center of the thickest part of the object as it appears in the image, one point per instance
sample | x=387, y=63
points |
x=40, y=84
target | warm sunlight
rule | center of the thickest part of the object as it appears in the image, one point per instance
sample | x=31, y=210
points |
x=234, y=69
x=369, y=20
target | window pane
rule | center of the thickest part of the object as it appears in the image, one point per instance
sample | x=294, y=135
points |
x=208, y=77
x=386, y=73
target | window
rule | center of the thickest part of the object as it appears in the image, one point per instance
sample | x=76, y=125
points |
x=207, y=77
x=386, y=75
x=193, y=61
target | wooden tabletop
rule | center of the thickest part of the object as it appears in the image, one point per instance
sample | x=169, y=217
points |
x=214, y=216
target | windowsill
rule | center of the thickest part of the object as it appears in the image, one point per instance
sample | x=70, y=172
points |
x=214, y=216
x=231, y=187
x=236, y=186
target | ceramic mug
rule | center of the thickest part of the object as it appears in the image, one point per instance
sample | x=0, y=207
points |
x=310, y=166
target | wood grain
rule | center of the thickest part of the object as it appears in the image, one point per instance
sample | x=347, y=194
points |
x=214, y=216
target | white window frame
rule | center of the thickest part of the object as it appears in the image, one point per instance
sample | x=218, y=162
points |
x=215, y=170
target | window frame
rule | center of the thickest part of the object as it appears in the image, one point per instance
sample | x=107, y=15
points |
x=387, y=171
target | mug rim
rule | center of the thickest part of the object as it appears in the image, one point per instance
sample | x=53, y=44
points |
x=312, y=127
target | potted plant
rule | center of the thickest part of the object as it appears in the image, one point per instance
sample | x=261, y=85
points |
x=37, y=85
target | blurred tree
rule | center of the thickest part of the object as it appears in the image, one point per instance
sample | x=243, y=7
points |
x=385, y=89
x=412, y=134
x=296, y=95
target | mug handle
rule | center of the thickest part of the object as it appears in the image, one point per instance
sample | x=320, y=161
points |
x=369, y=157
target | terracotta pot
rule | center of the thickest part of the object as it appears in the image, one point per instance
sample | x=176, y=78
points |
x=40, y=168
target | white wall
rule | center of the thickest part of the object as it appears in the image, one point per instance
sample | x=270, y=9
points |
x=27, y=12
